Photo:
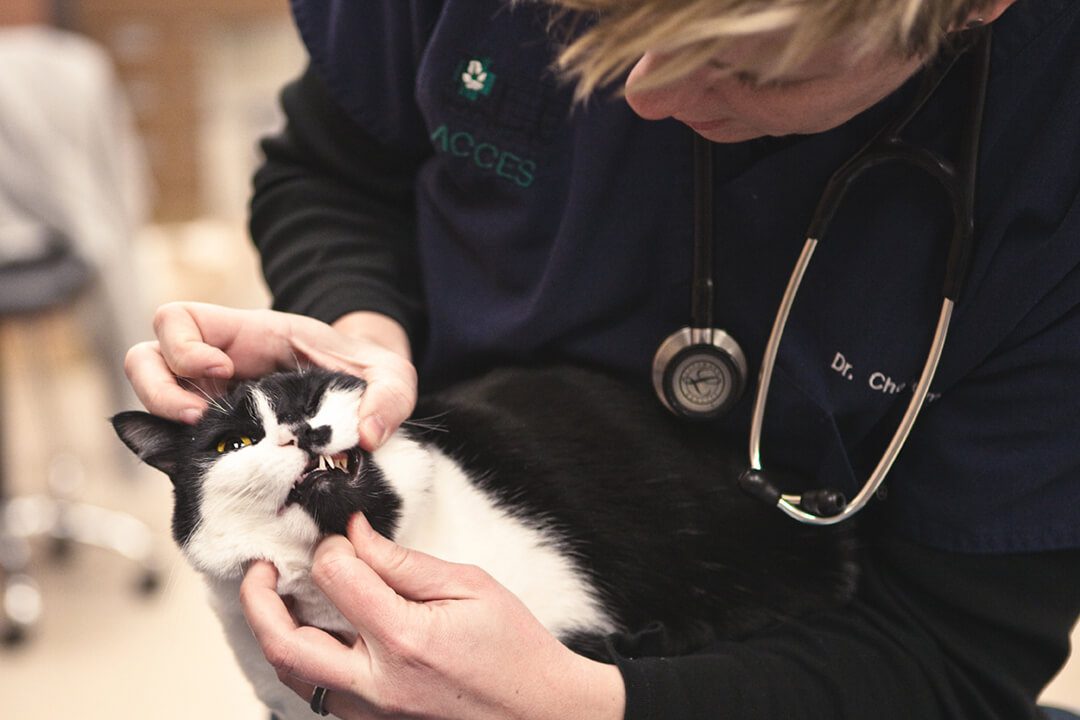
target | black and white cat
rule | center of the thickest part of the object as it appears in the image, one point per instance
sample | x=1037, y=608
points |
x=604, y=514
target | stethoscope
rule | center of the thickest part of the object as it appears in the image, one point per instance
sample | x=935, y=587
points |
x=700, y=372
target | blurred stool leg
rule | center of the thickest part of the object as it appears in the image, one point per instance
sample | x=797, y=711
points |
x=76, y=522
x=52, y=514
x=20, y=597
x=20, y=600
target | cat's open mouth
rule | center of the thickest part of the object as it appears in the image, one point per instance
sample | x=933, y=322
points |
x=321, y=474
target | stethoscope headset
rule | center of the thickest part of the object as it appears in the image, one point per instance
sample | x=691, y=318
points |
x=699, y=372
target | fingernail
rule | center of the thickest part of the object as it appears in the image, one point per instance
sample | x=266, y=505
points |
x=374, y=429
x=190, y=415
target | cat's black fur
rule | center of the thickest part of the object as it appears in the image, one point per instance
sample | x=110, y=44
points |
x=646, y=506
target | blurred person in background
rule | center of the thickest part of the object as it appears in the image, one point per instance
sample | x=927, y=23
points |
x=73, y=174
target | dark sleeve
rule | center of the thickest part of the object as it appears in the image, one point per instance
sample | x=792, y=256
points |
x=931, y=635
x=332, y=215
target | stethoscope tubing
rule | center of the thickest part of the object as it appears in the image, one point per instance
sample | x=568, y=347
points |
x=789, y=503
x=886, y=147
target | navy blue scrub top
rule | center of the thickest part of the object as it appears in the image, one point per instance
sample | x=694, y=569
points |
x=559, y=232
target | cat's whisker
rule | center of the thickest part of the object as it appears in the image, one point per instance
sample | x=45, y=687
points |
x=171, y=579
x=212, y=400
x=192, y=385
x=300, y=367
x=427, y=423
x=221, y=395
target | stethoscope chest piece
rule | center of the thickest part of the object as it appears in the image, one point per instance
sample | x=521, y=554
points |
x=699, y=373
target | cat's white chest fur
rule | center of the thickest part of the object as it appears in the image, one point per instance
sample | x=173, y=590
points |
x=448, y=517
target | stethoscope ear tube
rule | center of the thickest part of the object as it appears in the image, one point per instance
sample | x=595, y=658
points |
x=701, y=298
x=963, y=244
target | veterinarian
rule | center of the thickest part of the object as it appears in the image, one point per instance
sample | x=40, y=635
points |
x=439, y=201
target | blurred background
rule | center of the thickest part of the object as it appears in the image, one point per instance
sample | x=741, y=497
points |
x=128, y=134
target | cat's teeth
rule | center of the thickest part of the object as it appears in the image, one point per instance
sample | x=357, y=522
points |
x=334, y=462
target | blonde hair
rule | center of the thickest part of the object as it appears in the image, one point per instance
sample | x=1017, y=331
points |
x=616, y=33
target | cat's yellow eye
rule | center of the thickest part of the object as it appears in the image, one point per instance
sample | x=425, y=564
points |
x=233, y=443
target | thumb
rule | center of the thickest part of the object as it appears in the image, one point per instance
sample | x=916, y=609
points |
x=388, y=400
x=412, y=574
x=390, y=395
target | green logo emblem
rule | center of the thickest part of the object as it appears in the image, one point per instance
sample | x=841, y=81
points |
x=476, y=79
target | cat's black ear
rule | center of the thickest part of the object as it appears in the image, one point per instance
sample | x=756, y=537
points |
x=155, y=440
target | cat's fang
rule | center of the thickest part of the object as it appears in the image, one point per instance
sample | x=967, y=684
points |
x=340, y=461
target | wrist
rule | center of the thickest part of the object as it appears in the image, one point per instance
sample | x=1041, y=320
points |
x=377, y=328
x=594, y=691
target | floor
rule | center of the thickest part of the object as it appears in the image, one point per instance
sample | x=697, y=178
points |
x=103, y=651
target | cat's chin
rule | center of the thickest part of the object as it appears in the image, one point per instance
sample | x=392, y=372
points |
x=286, y=541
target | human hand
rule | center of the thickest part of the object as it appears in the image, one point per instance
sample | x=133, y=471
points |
x=434, y=640
x=203, y=343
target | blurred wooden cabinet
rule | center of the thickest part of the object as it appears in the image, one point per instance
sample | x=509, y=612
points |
x=18, y=12
x=157, y=45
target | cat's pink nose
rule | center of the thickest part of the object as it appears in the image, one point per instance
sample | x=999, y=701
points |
x=285, y=436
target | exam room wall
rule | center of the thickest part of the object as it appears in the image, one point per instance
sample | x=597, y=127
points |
x=102, y=652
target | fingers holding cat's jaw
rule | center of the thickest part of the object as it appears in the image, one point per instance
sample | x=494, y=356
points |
x=302, y=656
x=158, y=388
x=364, y=598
